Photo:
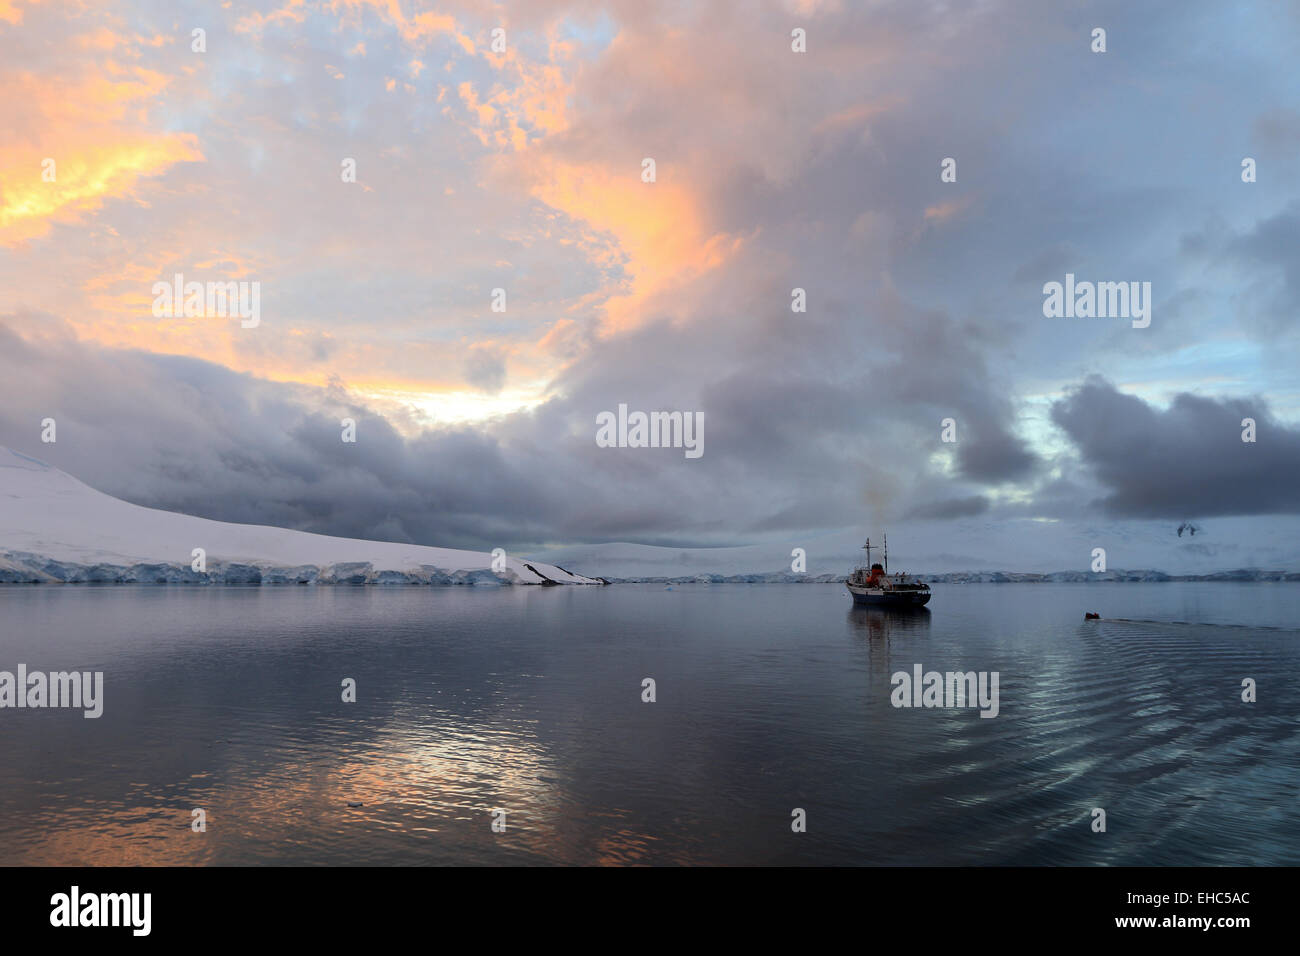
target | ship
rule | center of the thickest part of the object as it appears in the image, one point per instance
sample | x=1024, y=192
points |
x=873, y=585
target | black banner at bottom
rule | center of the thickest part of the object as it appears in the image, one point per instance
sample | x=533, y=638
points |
x=301, y=905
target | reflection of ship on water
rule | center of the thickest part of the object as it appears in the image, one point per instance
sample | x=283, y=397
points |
x=882, y=623
x=874, y=630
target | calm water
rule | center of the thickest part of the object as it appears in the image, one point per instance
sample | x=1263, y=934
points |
x=769, y=698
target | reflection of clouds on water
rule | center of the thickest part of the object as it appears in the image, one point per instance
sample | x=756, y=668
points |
x=439, y=782
x=135, y=835
x=769, y=699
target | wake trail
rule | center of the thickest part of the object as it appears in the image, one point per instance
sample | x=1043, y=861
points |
x=1190, y=624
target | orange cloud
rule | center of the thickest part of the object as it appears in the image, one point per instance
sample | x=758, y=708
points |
x=85, y=175
x=9, y=11
x=77, y=141
x=416, y=30
x=659, y=229
x=94, y=119
x=941, y=212
x=658, y=226
x=255, y=21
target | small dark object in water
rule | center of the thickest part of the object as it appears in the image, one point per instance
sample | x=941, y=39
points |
x=1089, y=616
x=351, y=804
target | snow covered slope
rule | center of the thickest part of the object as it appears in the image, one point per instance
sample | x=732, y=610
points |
x=54, y=528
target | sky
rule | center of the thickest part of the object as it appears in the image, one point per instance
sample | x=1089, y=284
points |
x=136, y=150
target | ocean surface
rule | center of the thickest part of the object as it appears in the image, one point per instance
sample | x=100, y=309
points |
x=768, y=699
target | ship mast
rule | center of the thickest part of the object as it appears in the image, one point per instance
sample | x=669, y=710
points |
x=886, y=552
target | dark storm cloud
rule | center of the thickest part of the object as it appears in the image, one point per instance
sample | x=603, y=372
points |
x=1275, y=242
x=1184, y=462
x=995, y=457
x=954, y=508
x=940, y=367
x=187, y=435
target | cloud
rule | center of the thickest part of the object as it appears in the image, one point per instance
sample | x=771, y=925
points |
x=87, y=175
x=521, y=170
x=1279, y=129
x=11, y=10
x=953, y=508
x=485, y=367
x=189, y=435
x=1186, y=461
x=1274, y=243
x=75, y=136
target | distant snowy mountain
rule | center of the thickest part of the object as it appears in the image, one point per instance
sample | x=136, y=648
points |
x=976, y=549
x=976, y=577
x=53, y=528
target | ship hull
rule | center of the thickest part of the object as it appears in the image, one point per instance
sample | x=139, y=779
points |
x=878, y=597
